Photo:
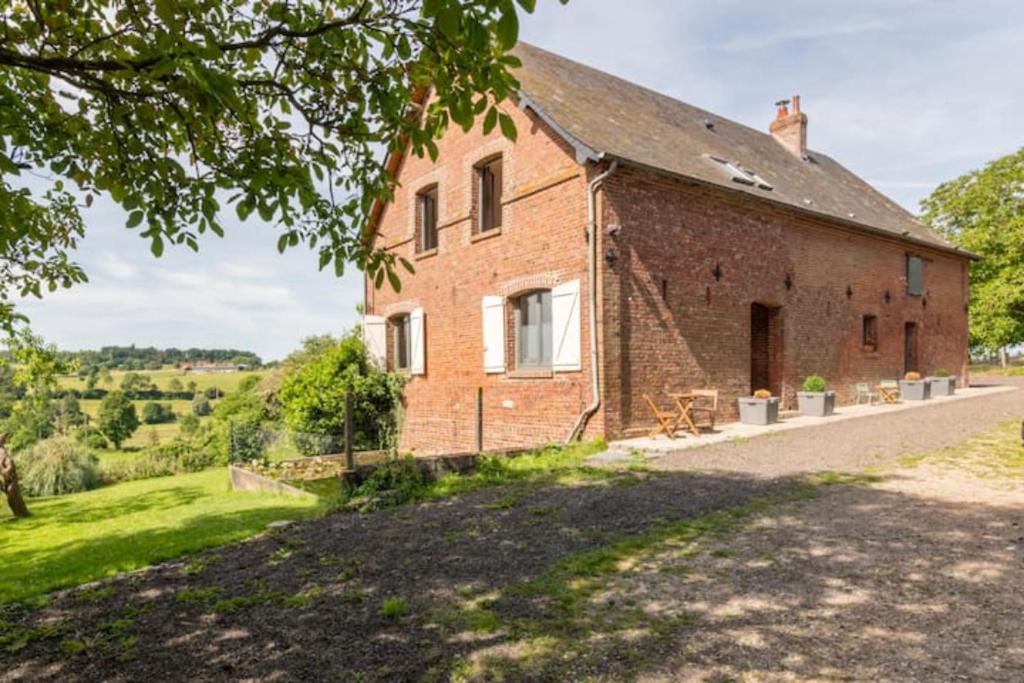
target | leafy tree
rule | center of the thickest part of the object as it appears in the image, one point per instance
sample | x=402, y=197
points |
x=192, y=386
x=175, y=385
x=134, y=382
x=313, y=399
x=174, y=108
x=67, y=413
x=201, y=405
x=983, y=211
x=117, y=418
x=157, y=413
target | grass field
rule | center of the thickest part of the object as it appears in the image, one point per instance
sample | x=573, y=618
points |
x=82, y=537
x=143, y=435
x=226, y=382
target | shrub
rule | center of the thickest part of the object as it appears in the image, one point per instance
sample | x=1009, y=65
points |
x=313, y=397
x=188, y=424
x=91, y=438
x=157, y=413
x=394, y=607
x=815, y=383
x=174, y=457
x=912, y=376
x=57, y=466
x=762, y=393
x=397, y=482
x=201, y=406
x=941, y=372
x=117, y=418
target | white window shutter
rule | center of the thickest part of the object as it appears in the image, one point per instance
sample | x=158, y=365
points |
x=417, y=366
x=494, y=333
x=375, y=337
x=565, y=326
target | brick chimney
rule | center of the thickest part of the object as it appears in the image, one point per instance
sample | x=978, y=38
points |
x=790, y=127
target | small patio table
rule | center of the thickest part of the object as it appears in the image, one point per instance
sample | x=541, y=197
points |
x=684, y=401
x=889, y=393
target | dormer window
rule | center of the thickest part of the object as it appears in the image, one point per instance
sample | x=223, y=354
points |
x=738, y=174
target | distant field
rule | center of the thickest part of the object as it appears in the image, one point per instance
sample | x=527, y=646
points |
x=226, y=382
x=142, y=437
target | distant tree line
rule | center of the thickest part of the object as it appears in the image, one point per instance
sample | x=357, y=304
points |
x=152, y=358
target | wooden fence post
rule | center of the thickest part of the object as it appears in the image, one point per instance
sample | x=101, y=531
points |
x=350, y=463
x=479, y=419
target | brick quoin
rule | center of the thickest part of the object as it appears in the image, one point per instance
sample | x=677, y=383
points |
x=665, y=322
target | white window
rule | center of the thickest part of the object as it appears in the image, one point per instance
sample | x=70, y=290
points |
x=533, y=330
x=400, y=342
x=407, y=344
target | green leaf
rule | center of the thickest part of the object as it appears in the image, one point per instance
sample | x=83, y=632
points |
x=508, y=126
x=448, y=22
x=528, y=5
x=134, y=218
x=157, y=245
x=508, y=29
x=491, y=120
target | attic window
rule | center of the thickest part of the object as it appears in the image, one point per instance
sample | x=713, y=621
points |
x=740, y=175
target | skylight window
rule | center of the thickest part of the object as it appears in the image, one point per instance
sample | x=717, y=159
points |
x=739, y=174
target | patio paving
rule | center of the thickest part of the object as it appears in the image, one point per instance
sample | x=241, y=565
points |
x=735, y=431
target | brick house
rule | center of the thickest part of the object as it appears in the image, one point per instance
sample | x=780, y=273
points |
x=720, y=257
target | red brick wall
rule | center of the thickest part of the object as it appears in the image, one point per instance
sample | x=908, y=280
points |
x=669, y=325
x=542, y=242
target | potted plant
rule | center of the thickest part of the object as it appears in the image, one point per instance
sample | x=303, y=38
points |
x=760, y=409
x=815, y=400
x=913, y=388
x=941, y=383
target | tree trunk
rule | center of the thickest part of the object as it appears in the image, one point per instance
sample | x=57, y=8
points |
x=1002, y=356
x=9, y=481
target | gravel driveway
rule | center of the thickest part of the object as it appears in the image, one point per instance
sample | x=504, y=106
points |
x=308, y=603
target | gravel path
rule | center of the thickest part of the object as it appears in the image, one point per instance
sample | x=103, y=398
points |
x=305, y=603
x=853, y=445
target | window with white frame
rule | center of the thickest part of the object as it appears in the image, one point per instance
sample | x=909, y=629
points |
x=400, y=342
x=534, y=338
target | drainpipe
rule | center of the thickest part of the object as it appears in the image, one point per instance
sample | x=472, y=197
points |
x=592, y=188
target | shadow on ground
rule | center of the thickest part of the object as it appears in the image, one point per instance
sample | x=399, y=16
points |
x=521, y=583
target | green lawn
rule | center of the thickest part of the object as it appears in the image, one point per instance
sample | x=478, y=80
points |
x=226, y=382
x=82, y=537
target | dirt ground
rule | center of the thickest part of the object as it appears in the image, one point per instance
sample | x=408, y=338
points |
x=717, y=565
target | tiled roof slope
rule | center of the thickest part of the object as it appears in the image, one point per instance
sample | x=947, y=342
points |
x=622, y=120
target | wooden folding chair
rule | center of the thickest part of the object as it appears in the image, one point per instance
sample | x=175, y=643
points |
x=706, y=404
x=668, y=420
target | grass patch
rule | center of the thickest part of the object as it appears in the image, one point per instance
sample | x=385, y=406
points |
x=997, y=453
x=82, y=537
x=394, y=608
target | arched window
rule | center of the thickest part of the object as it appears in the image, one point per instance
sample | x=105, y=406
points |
x=533, y=330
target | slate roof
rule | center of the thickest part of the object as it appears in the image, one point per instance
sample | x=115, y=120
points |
x=607, y=117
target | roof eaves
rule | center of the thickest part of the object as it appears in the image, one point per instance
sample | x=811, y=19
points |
x=854, y=225
x=584, y=152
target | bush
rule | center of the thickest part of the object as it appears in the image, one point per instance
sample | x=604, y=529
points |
x=815, y=383
x=175, y=457
x=117, y=418
x=201, y=406
x=91, y=438
x=313, y=397
x=188, y=424
x=57, y=466
x=941, y=372
x=157, y=413
x=393, y=484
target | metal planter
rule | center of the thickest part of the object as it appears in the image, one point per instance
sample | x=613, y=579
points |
x=941, y=386
x=817, y=403
x=759, y=411
x=914, y=390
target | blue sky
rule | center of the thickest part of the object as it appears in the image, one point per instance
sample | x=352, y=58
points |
x=905, y=93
